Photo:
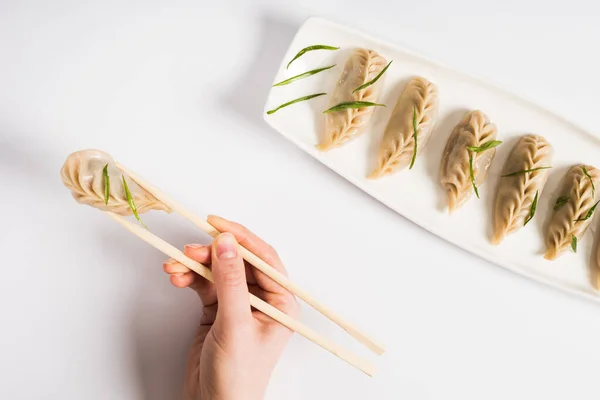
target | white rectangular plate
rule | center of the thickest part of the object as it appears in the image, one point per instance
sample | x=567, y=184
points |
x=417, y=194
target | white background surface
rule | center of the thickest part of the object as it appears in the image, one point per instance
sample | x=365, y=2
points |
x=175, y=91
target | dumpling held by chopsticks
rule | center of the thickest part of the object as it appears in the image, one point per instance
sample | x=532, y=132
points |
x=94, y=179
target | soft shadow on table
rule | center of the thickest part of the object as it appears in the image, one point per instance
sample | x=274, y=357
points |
x=249, y=93
x=162, y=319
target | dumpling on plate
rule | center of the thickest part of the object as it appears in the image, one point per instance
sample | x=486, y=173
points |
x=340, y=126
x=413, y=117
x=474, y=130
x=595, y=272
x=523, y=179
x=573, y=210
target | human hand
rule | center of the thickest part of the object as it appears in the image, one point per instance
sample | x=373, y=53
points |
x=235, y=349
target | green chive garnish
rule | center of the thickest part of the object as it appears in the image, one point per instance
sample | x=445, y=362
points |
x=372, y=81
x=131, y=202
x=311, y=48
x=478, y=149
x=561, y=201
x=574, y=243
x=524, y=171
x=310, y=96
x=304, y=75
x=473, y=175
x=352, y=104
x=589, y=213
x=106, y=184
x=485, y=146
x=585, y=171
x=532, y=209
x=415, y=130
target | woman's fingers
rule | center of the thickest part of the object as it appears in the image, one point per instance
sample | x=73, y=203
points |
x=257, y=246
x=198, y=252
x=249, y=240
x=182, y=277
x=183, y=280
x=205, y=289
x=174, y=267
x=229, y=274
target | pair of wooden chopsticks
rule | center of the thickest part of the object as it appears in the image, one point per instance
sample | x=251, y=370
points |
x=261, y=265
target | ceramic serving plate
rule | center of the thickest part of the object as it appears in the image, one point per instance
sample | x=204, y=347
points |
x=417, y=194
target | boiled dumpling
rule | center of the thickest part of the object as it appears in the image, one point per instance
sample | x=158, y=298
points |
x=595, y=273
x=474, y=130
x=525, y=174
x=417, y=105
x=82, y=174
x=576, y=199
x=341, y=126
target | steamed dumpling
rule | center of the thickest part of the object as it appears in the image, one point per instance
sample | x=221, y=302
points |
x=595, y=273
x=341, y=126
x=419, y=101
x=577, y=196
x=82, y=174
x=474, y=130
x=517, y=192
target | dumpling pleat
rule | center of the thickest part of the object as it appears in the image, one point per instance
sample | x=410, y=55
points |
x=341, y=126
x=474, y=130
x=82, y=174
x=582, y=196
x=516, y=193
x=398, y=144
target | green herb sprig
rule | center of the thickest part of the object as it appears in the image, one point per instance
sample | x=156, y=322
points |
x=415, y=131
x=486, y=146
x=311, y=48
x=310, y=96
x=478, y=149
x=589, y=213
x=472, y=174
x=560, y=202
x=372, y=81
x=524, y=171
x=352, y=104
x=106, y=184
x=532, y=209
x=574, y=243
x=302, y=76
x=131, y=202
x=585, y=171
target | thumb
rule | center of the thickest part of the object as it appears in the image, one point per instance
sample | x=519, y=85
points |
x=229, y=275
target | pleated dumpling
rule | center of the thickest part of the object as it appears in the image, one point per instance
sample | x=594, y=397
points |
x=340, y=126
x=573, y=210
x=82, y=173
x=409, y=127
x=523, y=179
x=475, y=130
x=595, y=272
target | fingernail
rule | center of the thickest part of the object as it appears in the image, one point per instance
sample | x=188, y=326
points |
x=170, y=261
x=194, y=246
x=226, y=246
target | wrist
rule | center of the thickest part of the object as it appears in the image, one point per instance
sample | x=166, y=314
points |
x=248, y=387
